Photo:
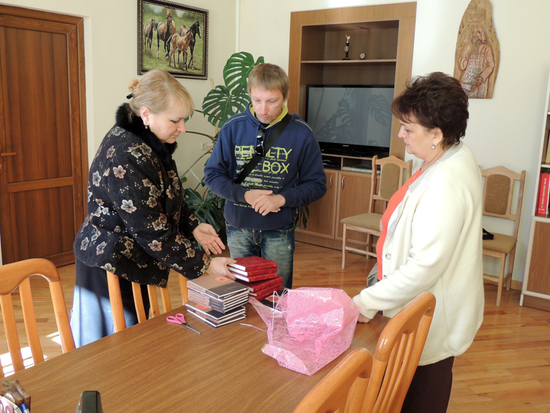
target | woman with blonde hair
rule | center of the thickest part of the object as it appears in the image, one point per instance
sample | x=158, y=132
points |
x=138, y=225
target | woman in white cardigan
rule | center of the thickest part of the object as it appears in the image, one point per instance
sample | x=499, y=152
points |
x=432, y=236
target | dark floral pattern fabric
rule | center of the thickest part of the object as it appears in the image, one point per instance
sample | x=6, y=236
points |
x=138, y=225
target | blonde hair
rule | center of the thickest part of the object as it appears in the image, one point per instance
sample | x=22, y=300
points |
x=268, y=77
x=155, y=90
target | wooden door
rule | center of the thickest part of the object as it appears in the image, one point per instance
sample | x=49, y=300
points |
x=322, y=212
x=43, y=160
x=353, y=200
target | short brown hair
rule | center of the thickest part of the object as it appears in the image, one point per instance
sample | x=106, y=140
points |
x=154, y=91
x=269, y=77
x=436, y=100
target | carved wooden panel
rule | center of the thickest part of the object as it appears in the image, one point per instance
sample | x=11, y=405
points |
x=477, y=51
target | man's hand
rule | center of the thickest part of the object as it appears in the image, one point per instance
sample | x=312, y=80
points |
x=253, y=194
x=264, y=201
x=209, y=240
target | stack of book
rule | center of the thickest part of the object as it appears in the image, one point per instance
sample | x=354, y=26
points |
x=258, y=274
x=216, y=300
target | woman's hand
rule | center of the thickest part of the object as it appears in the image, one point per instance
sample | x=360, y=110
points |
x=218, y=267
x=209, y=240
x=363, y=319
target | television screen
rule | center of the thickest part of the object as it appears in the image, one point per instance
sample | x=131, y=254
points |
x=351, y=120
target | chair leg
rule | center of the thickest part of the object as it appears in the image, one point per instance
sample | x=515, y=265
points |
x=510, y=269
x=344, y=247
x=501, y=278
x=369, y=243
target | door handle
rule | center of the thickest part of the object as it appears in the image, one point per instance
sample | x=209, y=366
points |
x=4, y=155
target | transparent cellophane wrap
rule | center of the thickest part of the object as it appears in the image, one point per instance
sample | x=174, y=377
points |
x=309, y=327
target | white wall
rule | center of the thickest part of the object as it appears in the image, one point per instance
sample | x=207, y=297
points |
x=505, y=130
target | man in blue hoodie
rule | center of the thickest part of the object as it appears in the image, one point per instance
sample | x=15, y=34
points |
x=260, y=212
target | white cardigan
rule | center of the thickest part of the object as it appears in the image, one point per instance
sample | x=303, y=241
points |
x=434, y=243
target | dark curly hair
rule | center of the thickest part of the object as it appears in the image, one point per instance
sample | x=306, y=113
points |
x=436, y=100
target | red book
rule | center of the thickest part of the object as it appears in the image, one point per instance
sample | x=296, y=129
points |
x=264, y=292
x=253, y=278
x=263, y=284
x=252, y=263
x=542, y=203
x=263, y=271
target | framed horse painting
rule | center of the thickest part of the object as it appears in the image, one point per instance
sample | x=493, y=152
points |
x=172, y=37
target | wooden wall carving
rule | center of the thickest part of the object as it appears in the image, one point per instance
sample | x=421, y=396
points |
x=477, y=51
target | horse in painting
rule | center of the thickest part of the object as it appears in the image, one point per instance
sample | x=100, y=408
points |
x=194, y=29
x=164, y=31
x=181, y=45
x=148, y=34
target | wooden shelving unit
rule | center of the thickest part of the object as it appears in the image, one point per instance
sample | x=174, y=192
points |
x=535, y=291
x=385, y=34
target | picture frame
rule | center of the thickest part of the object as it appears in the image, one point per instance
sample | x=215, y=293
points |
x=172, y=37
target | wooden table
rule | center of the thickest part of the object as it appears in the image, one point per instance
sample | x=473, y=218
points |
x=157, y=366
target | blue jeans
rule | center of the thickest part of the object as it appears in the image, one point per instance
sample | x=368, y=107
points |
x=273, y=244
x=91, y=316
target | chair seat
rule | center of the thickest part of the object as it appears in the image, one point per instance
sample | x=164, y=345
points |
x=500, y=243
x=369, y=221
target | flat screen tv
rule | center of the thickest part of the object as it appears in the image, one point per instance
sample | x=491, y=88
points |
x=351, y=120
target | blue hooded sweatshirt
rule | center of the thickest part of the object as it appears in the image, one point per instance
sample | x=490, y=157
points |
x=293, y=167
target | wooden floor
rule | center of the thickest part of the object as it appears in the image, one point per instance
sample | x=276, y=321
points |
x=507, y=369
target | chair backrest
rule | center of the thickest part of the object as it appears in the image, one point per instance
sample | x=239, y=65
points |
x=116, y=301
x=183, y=288
x=500, y=198
x=397, y=355
x=333, y=393
x=394, y=172
x=17, y=275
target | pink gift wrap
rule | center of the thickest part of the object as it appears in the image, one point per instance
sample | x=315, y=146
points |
x=309, y=327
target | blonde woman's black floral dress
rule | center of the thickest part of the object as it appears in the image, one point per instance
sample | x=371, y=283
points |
x=137, y=226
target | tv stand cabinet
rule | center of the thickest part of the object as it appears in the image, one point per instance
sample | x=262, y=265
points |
x=385, y=35
x=348, y=191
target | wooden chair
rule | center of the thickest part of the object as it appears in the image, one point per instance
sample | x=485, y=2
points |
x=333, y=393
x=502, y=198
x=17, y=275
x=116, y=301
x=397, y=354
x=393, y=174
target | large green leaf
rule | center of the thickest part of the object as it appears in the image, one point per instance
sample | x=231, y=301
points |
x=219, y=105
x=236, y=71
x=224, y=101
